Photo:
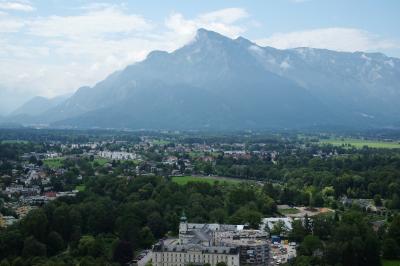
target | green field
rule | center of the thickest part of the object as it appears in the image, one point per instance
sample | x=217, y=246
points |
x=160, y=142
x=14, y=142
x=391, y=263
x=54, y=163
x=359, y=143
x=183, y=180
x=80, y=188
x=100, y=161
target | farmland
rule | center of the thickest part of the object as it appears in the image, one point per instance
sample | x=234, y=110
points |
x=360, y=143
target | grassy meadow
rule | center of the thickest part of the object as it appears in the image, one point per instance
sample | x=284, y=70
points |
x=360, y=143
x=54, y=163
x=391, y=263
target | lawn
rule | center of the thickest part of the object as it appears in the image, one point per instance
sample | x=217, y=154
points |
x=100, y=161
x=54, y=163
x=391, y=263
x=183, y=180
x=80, y=188
x=359, y=143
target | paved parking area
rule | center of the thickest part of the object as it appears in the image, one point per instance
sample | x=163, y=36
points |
x=281, y=253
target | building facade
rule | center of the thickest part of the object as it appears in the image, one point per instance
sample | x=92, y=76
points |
x=183, y=255
x=203, y=244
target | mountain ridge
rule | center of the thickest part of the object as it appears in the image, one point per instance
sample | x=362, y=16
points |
x=215, y=81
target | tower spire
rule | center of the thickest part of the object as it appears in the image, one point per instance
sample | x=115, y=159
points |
x=183, y=217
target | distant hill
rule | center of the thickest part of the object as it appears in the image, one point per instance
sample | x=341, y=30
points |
x=222, y=83
x=38, y=105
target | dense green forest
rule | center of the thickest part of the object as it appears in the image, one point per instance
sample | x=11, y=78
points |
x=113, y=217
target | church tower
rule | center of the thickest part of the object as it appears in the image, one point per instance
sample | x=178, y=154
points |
x=183, y=228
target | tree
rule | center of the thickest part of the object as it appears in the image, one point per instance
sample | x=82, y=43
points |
x=55, y=243
x=89, y=246
x=35, y=223
x=61, y=222
x=310, y=245
x=317, y=200
x=221, y=263
x=146, y=237
x=18, y=261
x=378, y=200
x=33, y=248
x=157, y=224
x=395, y=202
x=11, y=243
x=123, y=252
x=390, y=249
x=298, y=231
x=245, y=215
x=394, y=229
x=372, y=250
x=279, y=228
x=322, y=226
x=302, y=261
x=172, y=221
x=218, y=215
x=5, y=262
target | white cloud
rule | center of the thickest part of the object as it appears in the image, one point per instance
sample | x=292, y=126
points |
x=16, y=6
x=52, y=55
x=94, y=23
x=10, y=24
x=226, y=16
x=340, y=39
x=285, y=64
x=223, y=21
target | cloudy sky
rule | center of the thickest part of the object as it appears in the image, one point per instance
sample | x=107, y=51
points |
x=53, y=47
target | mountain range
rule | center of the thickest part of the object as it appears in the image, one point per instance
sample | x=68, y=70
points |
x=215, y=82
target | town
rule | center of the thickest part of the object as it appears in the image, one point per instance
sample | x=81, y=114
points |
x=177, y=198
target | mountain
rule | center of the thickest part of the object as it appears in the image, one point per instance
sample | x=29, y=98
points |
x=222, y=83
x=38, y=105
x=360, y=84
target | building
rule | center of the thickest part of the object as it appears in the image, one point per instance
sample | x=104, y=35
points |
x=118, y=155
x=6, y=221
x=200, y=244
x=183, y=255
x=253, y=245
